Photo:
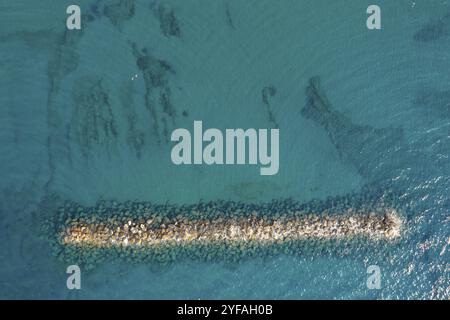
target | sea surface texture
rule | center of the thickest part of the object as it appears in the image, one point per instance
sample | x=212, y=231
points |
x=86, y=118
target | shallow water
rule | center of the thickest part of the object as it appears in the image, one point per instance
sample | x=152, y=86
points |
x=85, y=116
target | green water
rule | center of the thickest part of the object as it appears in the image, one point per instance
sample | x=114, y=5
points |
x=77, y=122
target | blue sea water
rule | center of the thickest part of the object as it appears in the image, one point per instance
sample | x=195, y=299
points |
x=76, y=122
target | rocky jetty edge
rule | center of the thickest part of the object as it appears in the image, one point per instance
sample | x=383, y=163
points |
x=225, y=230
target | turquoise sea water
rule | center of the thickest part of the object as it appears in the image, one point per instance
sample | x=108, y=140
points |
x=76, y=122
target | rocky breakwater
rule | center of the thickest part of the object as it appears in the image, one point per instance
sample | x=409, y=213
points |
x=181, y=231
x=221, y=230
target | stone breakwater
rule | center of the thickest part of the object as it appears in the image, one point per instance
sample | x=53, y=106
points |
x=181, y=231
x=220, y=230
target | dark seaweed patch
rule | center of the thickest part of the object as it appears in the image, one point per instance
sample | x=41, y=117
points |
x=433, y=30
x=168, y=22
x=93, y=126
x=363, y=146
x=157, y=92
x=119, y=12
x=266, y=94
